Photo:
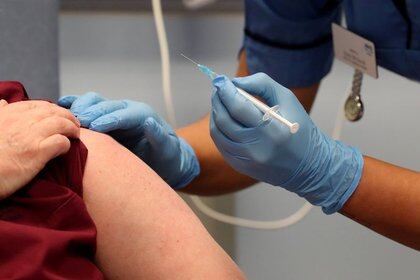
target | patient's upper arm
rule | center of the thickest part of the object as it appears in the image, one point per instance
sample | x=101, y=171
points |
x=144, y=229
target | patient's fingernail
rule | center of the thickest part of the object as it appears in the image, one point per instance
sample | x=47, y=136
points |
x=3, y=103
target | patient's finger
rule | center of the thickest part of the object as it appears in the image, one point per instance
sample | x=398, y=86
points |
x=53, y=146
x=57, y=125
x=3, y=103
x=49, y=110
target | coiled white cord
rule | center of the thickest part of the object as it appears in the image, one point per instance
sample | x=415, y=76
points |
x=166, y=84
x=266, y=225
x=165, y=61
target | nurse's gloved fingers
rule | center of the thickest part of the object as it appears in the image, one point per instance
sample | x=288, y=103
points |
x=98, y=110
x=228, y=126
x=223, y=142
x=239, y=108
x=67, y=101
x=263, y=86
x=163, y=144
x=119, y=119
x=155, y=133
x=84, y=102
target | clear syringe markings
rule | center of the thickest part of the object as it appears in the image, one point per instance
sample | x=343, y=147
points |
x=269, y=112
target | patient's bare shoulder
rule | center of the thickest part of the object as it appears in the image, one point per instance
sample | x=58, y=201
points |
x=109, y=162
x=103, y=146
x=145, y=231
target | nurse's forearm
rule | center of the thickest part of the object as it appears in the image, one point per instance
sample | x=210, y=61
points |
x=216, y=176
x=387, y=201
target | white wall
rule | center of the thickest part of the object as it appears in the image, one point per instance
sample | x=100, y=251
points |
x=117, y=54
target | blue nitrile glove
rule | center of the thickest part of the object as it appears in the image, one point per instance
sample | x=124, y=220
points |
x=309, y=163
x=141, y=130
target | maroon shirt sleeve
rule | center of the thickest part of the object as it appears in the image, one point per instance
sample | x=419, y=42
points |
x=45, y=229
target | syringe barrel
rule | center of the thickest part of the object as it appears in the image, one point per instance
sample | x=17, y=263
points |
x=264, y=108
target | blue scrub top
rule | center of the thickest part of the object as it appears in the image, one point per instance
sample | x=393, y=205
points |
x=291, y=40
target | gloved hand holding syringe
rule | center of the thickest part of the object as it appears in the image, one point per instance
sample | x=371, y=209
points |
x=269, y=112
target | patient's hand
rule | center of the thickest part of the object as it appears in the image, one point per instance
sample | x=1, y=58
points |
x=32, y=133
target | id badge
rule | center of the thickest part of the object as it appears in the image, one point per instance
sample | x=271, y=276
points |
x=354, y=50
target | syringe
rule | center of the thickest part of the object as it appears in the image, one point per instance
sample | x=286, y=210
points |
x=269, y=112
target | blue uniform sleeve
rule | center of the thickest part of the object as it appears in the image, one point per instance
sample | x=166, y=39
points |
x=290, y=40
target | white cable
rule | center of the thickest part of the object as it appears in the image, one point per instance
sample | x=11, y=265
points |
x=267, y=225
x=165, y=61
x=166, y=82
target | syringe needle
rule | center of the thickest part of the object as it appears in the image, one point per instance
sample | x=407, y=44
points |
x=268, y=112
x=190, y=59
x=207, y=71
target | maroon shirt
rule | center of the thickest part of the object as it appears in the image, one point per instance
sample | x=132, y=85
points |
x=45, y=229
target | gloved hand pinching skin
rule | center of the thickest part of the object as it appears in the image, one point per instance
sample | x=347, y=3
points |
x=140, y=129
x=309, y=163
